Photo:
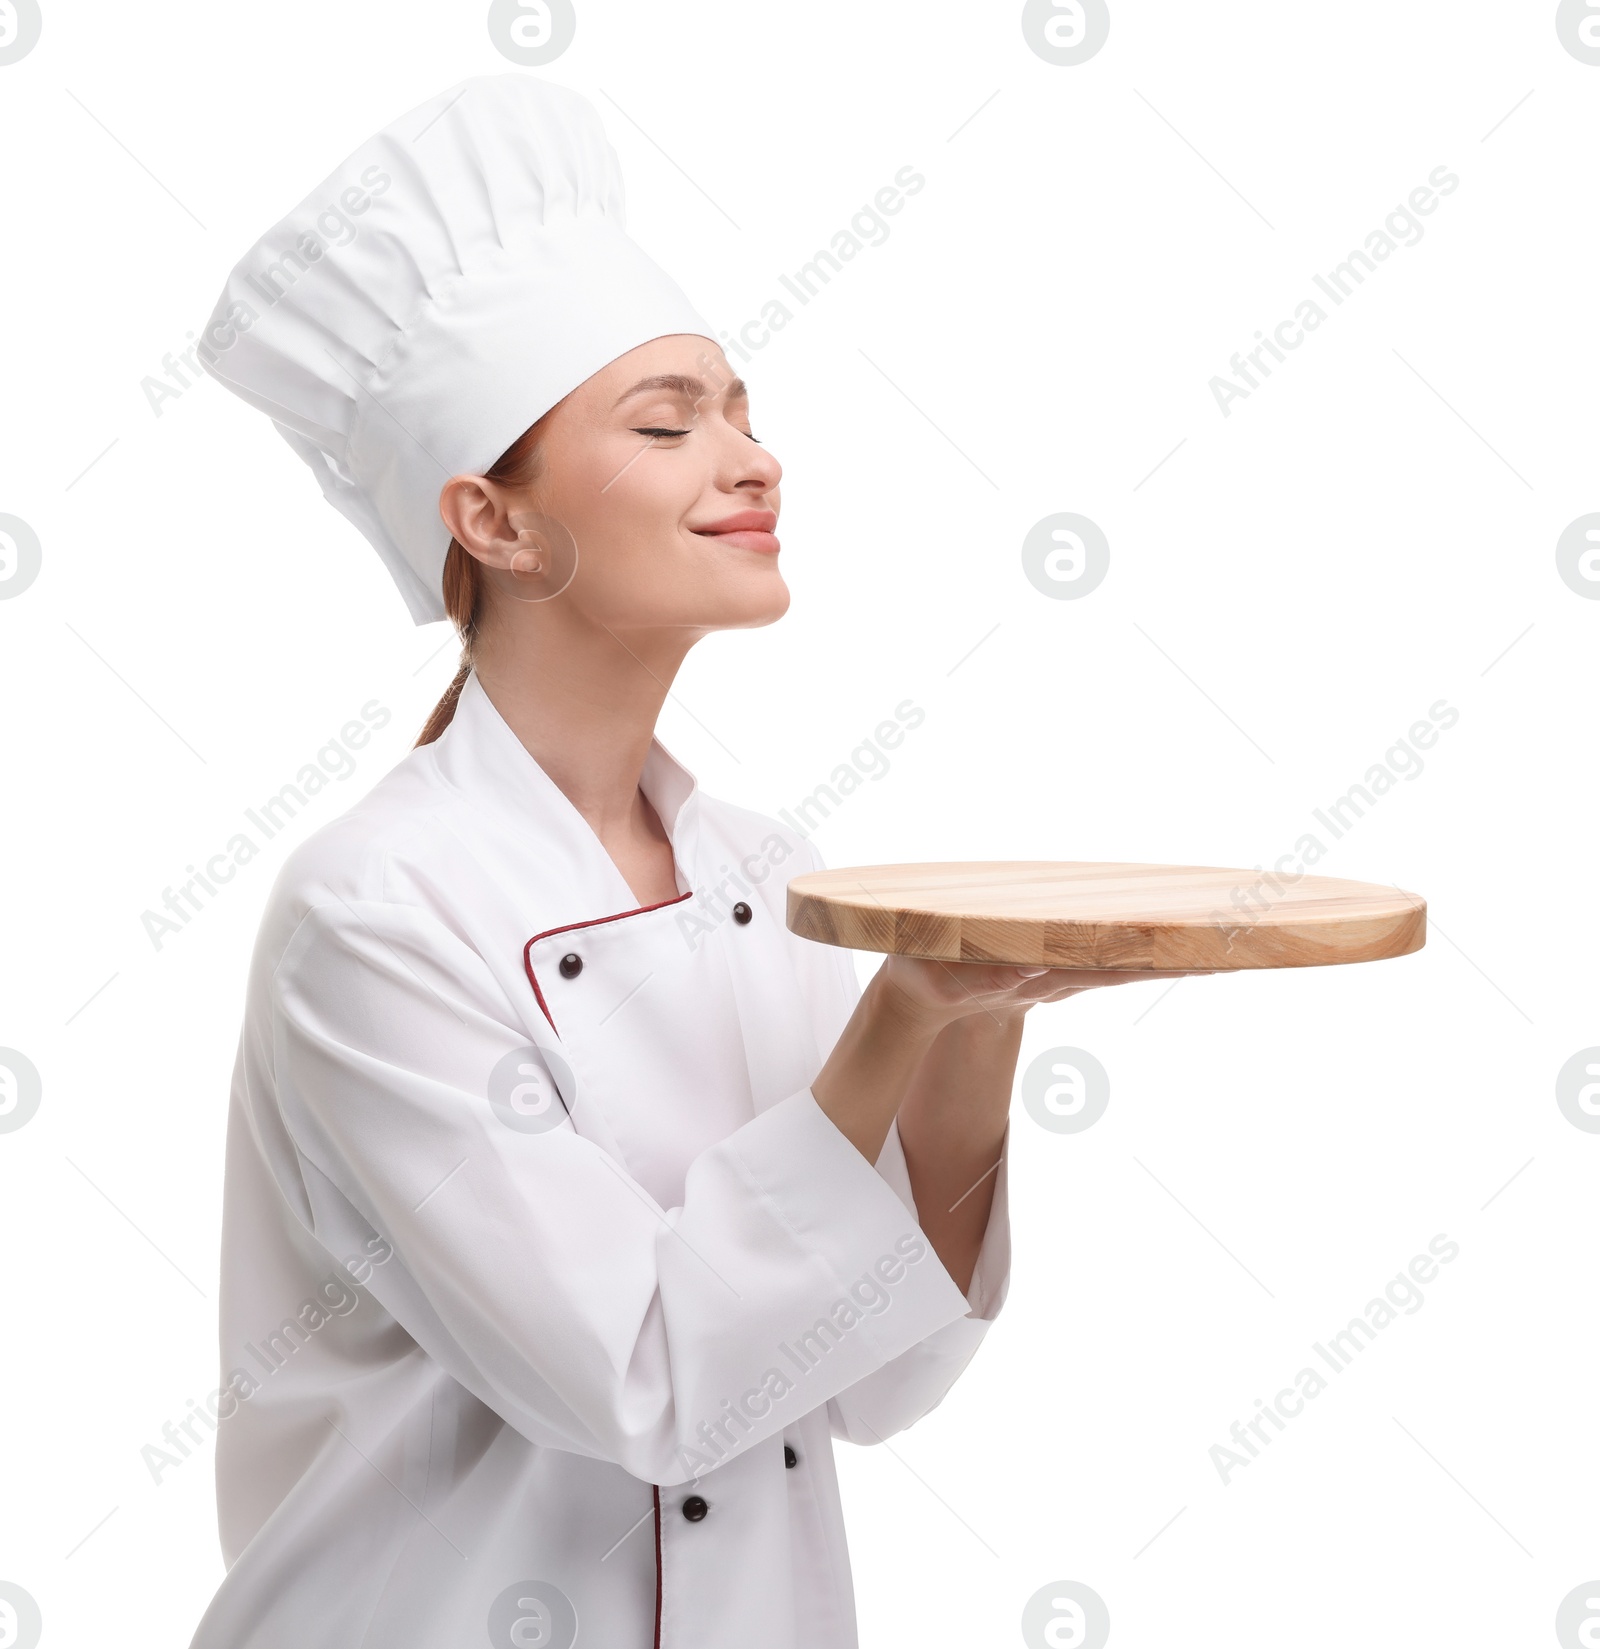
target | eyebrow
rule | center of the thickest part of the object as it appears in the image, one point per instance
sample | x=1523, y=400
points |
x=681, y=384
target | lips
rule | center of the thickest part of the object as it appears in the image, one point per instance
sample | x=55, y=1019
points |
x=749, y=529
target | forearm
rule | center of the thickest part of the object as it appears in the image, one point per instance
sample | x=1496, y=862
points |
x=868, y=1074
x=952, y=1125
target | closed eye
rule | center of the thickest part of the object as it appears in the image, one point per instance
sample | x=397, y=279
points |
x=662, y=434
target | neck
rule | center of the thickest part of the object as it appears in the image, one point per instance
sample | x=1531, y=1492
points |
x=584, y=701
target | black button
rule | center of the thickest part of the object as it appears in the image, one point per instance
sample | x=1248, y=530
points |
x=790, y=1458
x=742, y=912
x=695, y=1507
x=571, y=965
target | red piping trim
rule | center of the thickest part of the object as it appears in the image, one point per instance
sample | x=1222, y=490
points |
x=657, y=1493
x=593, y=922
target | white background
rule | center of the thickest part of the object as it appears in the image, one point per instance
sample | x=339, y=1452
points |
x=1371, y=531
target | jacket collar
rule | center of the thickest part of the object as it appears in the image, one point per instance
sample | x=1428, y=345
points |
x=480, y=756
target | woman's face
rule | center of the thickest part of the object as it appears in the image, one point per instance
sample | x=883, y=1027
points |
x=652, y=468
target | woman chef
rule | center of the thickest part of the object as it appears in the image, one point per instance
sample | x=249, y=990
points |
x=573, y=1205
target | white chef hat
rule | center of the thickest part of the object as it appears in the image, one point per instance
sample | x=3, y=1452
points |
x=437, y=293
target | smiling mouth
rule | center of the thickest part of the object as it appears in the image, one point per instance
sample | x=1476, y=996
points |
x=747, y=539
x=750, y=530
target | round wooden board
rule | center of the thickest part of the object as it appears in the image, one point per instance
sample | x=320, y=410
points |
x=1134, y=917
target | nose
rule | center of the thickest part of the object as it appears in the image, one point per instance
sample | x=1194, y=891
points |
x=746, y=465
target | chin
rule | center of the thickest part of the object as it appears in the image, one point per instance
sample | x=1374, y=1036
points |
x=767, y=607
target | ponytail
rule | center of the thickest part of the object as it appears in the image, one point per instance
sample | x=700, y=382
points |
x=444, y=711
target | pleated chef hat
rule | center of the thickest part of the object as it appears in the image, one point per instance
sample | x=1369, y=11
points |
x=439, y=291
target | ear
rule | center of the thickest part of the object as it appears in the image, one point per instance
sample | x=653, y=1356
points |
x=474, y=511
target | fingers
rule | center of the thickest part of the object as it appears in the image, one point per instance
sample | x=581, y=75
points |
x=1076, y=980
x=1056, y=984
x=990, y=979
x=962, y=988
x=1033, y=982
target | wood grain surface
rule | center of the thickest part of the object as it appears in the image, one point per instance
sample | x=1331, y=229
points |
x=1079, y=915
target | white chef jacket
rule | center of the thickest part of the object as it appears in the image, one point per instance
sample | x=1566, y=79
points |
x=546, y=1283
